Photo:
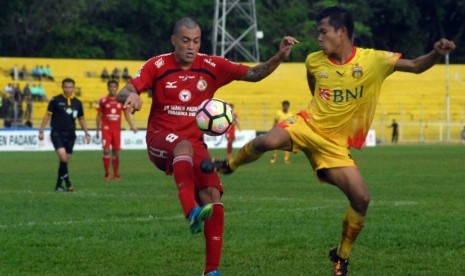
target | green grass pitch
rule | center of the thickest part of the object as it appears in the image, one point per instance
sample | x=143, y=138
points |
x=279, y=220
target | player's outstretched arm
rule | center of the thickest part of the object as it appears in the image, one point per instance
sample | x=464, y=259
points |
x=424, y=62
x=130, y=98
x=264, y=69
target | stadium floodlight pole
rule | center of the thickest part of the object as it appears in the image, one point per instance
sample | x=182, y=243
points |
x=447, y=101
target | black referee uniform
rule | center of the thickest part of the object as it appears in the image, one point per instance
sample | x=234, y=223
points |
x=64, y=111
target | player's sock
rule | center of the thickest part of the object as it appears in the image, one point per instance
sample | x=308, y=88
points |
x=214, y=237
x=115, y=165
x=351, y=227
x=106, y=164
x=63, y=173
x=286, y=156
x=245, y=155
x=184, y=177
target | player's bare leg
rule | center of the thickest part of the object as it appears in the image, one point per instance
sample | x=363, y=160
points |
x=350, y=182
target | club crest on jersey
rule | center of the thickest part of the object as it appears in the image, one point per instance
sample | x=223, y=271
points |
x=357, y=72
x=202, y=85
x=185, y=95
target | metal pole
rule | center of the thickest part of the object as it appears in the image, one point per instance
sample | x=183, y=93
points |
x=447, y=101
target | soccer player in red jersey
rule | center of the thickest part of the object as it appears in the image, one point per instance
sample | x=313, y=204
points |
x=231, y=133
x=180, y=81
x=109, y=120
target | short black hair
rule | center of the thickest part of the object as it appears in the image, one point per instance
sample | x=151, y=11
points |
x=67, y=80
x=285, y=102
x=338, y=18
x=112, y=81
x=184, y=22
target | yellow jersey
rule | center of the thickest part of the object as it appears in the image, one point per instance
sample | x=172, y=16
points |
x=281, y=116
x=346, y=95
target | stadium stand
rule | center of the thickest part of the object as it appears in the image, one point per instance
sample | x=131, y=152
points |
x=417, y=102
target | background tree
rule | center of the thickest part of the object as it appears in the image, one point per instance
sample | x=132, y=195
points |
x=139, y=29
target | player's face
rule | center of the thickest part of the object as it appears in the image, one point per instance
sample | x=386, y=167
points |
x=68, y=89
x=186, y=44
x=329, y=38
x=112, y=89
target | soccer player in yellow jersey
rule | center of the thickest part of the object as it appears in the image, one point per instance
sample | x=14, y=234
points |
x=345, y=82
x=280, y=116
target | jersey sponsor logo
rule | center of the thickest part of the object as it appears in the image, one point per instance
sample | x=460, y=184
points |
x=186, y=77
x=210, y=62
x=340, y=96
x=185, y=95
x=322, y=75
x=357, y=72
x=202, y=85
x=171, y=84
x=325, y=93
x=159, y=63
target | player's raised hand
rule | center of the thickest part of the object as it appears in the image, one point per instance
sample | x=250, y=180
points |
x=286, y=45
x=444, y=46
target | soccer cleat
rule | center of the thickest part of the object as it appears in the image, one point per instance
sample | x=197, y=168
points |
x=107, y=177
x=117, y=178
x=70, y=188
x=59, y=189
x=197, y=216
x=340, y=265
x=213, y=273
x=273, y=160
x=216, y=165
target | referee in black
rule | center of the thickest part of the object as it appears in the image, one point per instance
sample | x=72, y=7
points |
x=63, y=109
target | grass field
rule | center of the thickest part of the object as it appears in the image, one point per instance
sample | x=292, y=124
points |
x=279, y=219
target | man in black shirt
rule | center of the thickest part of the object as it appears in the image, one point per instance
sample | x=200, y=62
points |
x=63, y=109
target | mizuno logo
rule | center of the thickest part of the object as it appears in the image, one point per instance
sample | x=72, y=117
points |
x=170, y=84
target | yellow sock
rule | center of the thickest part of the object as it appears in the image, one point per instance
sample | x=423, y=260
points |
x=245, y=155
x=286, y=156
x=351, y=227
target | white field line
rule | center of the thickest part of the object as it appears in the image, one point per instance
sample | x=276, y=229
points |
x=149, y=217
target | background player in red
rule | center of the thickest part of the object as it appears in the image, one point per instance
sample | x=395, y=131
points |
x=231, y=133
x=109, y=120
x=180, y=81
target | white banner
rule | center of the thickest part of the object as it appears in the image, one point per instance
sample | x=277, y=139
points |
x=28, y=140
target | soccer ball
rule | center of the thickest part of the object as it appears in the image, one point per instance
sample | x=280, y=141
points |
x=214, y=117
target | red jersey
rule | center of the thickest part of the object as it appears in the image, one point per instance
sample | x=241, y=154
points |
x=111, y=111
x=177, y=93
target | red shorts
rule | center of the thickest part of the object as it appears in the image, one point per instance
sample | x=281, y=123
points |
x=160, y=145
x=111, y=138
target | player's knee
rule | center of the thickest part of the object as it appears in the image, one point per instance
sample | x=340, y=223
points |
x=361, y=203
x=183, y=148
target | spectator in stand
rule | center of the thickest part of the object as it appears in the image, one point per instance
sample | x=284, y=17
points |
x=116, y=74
x=23, y=75
x=18, y=100
x=41, y=90
x=42, y=72
x=126, y=75
x=48, y=73
x=28, y=98
x=14, y=72
x=105, y=75
x=36, y=73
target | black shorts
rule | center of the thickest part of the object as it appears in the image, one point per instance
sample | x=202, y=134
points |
x=63, y=140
